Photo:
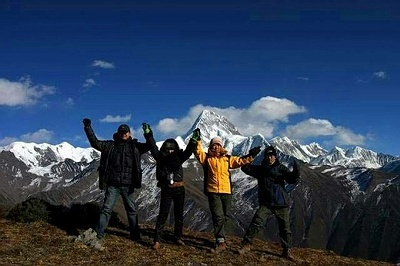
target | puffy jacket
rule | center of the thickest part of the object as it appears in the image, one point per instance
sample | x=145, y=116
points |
x=120, y=160
x=216, y=169
x=170, y=163
x=271, y=182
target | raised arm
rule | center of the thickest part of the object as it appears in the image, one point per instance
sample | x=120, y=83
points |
x=148, y=135
x=94, y=142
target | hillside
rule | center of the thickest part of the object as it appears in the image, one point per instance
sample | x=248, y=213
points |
x=40, y=243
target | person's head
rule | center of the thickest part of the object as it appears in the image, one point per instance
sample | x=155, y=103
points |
x=124, y=132
x=270, y=155
x=169, y=146
x=216, y=145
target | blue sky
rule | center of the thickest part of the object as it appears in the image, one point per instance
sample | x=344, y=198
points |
x=311, y=70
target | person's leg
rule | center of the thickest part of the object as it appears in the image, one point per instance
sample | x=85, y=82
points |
x=282, y=216
x=218, y=216
x=110, y=199
x=226, y=200
x=165, y=205
x=254, y=228
x=131, y=211
x=256, y=224
x=179, y=202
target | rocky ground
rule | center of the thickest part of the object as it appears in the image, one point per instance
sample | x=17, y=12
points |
x=40, y=243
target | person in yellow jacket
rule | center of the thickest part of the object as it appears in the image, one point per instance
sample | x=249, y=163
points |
x=217, y=181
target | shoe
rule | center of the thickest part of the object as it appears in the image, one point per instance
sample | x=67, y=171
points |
x=220, y=247
x=97, y=244
x=156, y=245
x=179, y=242
x=287, y=254
x=244, y=248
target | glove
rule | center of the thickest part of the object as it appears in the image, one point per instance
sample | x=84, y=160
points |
x=196, y=136
x=146, y=128
x=254, y=151
x=86, y=122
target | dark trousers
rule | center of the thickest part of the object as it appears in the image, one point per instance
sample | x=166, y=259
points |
x=259, y=219
x=169, y=195
x=220, y=207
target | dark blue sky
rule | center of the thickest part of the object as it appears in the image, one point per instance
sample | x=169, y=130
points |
x=309, y=70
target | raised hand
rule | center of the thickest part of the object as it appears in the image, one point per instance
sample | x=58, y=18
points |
x=196, y=136
x=86, y=122
x=146, y=128
x=254, y=151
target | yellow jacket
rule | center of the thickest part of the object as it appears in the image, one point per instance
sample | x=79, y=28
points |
x=217, y=169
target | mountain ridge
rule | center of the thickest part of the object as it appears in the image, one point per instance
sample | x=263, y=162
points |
x=325, y=197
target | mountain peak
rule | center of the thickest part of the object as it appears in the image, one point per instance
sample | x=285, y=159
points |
x=212, y=124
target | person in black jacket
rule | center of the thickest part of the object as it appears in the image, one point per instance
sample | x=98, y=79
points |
x=273, y=199
x=120, y=173
x=169, y=174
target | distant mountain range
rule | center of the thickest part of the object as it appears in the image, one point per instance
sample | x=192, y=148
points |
x=347, y=200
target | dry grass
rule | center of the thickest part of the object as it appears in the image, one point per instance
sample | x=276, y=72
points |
x=43, y=244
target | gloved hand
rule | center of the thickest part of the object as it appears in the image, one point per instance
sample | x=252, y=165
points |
x=146, y=128
x=196, y=136
x=86, y=122
x=254, y=151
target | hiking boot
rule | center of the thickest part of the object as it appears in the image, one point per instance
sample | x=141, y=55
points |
x=244, y=248
x=179, y=242
x=287, y=254
x=156, y=245
x=220, y=247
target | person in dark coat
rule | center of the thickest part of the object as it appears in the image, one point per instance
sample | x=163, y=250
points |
x=120, y=173
x=169, y=174
x=273, y=199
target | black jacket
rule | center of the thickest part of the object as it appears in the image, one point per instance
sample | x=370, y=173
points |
x=120, y=160
x=271, y=182
x=170, y=164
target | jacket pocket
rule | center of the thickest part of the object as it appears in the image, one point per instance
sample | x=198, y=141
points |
x=279, y=196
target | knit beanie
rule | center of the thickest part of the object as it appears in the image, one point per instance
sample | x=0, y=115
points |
x=216, y=140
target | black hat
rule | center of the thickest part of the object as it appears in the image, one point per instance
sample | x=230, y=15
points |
x=123, y=128
x=270, y=150
x=170, y=144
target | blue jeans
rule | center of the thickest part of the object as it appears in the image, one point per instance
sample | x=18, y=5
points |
x=112, y=194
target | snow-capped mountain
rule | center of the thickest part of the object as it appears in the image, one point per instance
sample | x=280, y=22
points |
x=41, y=158
x=331, y=206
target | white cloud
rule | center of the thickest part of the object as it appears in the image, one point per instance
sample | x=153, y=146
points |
x=264, y=116
x=89, y=83
x=42, y=135
x=7, y=140
x=70, y=101
x=102, y=64
x=380, y=75
x=310, y=128
x=320, y=127
x=116, y=119
x=345, y=136
x=261, y=117
x=303, y=78
x=22, y=92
